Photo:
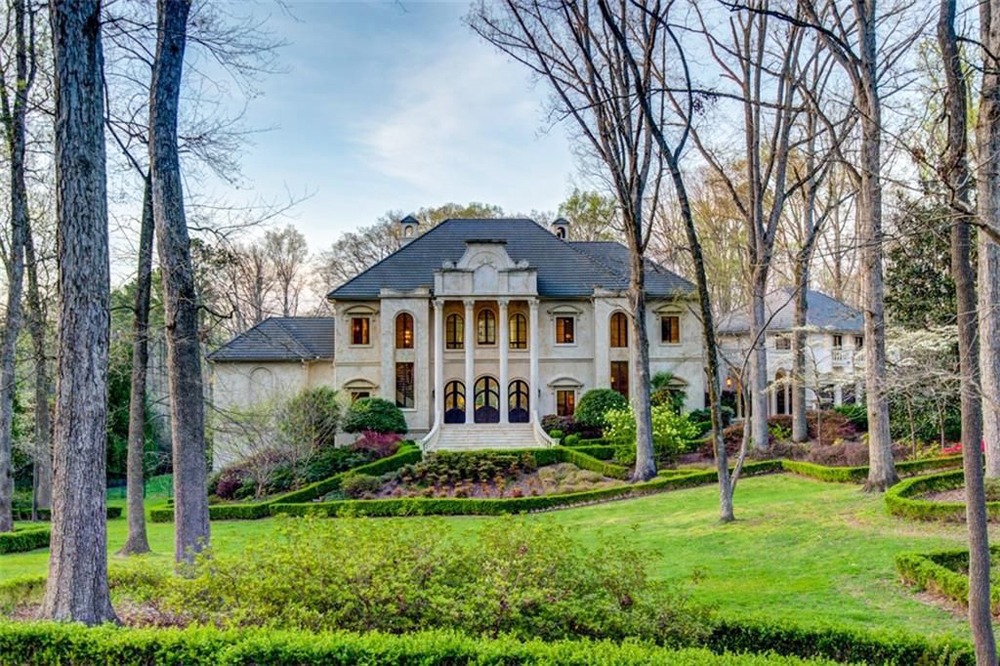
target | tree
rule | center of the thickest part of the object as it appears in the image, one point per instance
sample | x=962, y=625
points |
x=591, y=214
x=988, y=212
x=187, y=417
x=77, y=584
x=958, y=181
x=14, y=116
x=575, y=52
x=287, y=251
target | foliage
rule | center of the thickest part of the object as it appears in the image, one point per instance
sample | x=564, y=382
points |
x=702, y=415
x=595, y=403
x=856, y=413
x=311, y=417
x=591, y=215
x=903, y=499
x=943, y=572
x=380, y=445
x=357, y=486
x=38, y=643
x=671, y=433
x=571, y=440
x=374, y=414
x=664, y=393
x=526, y=580
x=827, y=427
x=567, y=425
x=24, y=539
x=155, y=460
x=451, y=467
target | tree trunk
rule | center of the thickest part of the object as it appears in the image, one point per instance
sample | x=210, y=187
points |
x=800, y=428
x=77, y=585
x=15, y=121
x=758, y=362
x=645, y=459
x=988, y=203
x=42, y=474
x=137, y=543
x=187, y=418
x=881, y=468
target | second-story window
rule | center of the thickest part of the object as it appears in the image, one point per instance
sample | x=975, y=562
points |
x=670, y=329
x=783, y=343
x=454, y=332
x=486, y=327
x=619, y=330
x=404, y=331
x=564, y=331
x=518, y=331
x=859, y=342
x=838, y=341
x=360, y=331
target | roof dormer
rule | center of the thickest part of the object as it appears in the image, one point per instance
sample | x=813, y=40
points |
x=408, y=229
x=560, y=228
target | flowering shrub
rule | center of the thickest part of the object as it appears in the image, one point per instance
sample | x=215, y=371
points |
x=380, y=444
x=671, y=433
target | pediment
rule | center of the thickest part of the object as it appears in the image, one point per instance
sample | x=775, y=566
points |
x=485, y=254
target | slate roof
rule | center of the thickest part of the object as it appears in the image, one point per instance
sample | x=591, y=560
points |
x=565, y=269
x=823, y=312
x=281, y=339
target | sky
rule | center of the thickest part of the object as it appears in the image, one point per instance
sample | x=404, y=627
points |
x=394, y=106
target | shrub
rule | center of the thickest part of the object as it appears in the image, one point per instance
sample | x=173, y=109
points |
x=595, y=403
x=374, y=414
x=556, y=434
x=671, y=433
x=571, y=440
x=517, y=578
x=381, y=445
x=328, y=462
x=311, y=417
x=22, y=540
x=663, y=393
x=357, y=486
x=451, y=467
x=552, y=422
x=856, y=413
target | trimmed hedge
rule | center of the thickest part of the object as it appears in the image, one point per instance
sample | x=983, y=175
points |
x=46, y=514
x=597, y=451
x=453, y=506
x=900, y=499
x=24, y=643
x=408, y=453
x=838, y=643
x=859, y=474
x=23, y=539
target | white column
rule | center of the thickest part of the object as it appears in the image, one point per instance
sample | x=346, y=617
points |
x=438, y=361
x=535, y=342
x=503, y=342
x=470, y=369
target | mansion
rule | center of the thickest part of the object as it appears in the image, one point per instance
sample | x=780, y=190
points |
x=475, y=329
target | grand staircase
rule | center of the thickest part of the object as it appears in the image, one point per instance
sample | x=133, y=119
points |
x=469, y=437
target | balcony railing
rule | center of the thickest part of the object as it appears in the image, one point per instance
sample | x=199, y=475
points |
x=841, y=357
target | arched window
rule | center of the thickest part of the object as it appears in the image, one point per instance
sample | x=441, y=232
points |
x=517, y=402
x=454, y=332
x=487, y=400
x=404, y=331
x=486, y=327
x=454, y=402
x=518, y=331
x=261, y=384
x=619, y=330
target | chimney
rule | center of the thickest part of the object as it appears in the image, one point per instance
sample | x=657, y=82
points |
x=560, y=228
x=408, y=229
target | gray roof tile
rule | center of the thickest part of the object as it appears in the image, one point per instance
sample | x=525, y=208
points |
x=565, y=269
x=824, y=312
x=281, y=339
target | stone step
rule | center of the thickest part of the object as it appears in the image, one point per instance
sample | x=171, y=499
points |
x=466, y=437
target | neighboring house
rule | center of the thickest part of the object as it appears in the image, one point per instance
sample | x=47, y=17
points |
x=475, y=329
x=834, y=336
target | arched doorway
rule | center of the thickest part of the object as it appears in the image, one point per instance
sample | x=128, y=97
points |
x=517, y=402
x=454, y=402
x=782, y=394
x=487, y=400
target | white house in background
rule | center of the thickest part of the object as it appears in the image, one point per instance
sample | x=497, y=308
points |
x=474, y=329
x=834, y=338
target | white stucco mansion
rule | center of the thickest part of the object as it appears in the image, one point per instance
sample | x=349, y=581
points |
x=475, y=329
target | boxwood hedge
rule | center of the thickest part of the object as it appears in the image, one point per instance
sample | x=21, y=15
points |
x=901, y=500
x=46, y=514
x=408, y=453
x=940, y=571
x=859, y=474
x=24, y=539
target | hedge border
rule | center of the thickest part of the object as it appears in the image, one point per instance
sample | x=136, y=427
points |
x=452, y=506
x=936, y=572
x=860, y=474
x=46, y=514
x=408, y=453
x=900, y=500
x=23, y=539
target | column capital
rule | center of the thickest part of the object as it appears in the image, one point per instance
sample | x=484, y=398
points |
x=438, y=303
x=469, y=303
x=533, y=303
x=503, y=301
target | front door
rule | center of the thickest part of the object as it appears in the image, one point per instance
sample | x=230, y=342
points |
x=454, y=402
x=517, y=402
x=487, y=400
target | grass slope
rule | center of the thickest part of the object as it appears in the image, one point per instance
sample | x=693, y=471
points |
x=801, y=550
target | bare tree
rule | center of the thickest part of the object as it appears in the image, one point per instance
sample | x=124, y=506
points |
x=37, y=325
x=187, y=418
x=287, y=252
x=576, y=52
x=14, y=114
x=988, y=211
x=77, y=585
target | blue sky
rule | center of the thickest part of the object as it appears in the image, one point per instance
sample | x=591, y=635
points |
x=396, y=106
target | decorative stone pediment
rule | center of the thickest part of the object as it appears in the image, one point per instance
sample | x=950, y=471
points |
x=485, y=270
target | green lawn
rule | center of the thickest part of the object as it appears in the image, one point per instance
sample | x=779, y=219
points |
x=801, y=549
